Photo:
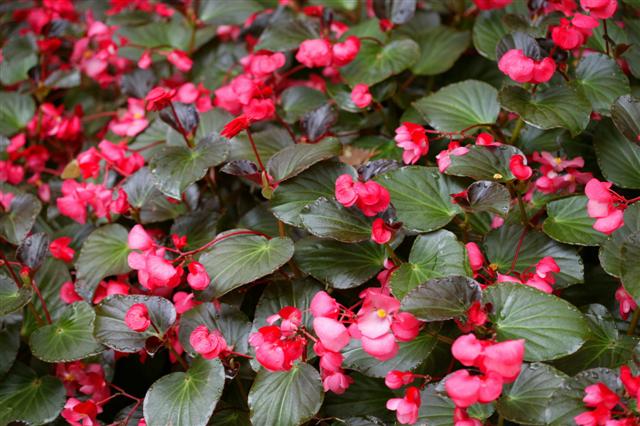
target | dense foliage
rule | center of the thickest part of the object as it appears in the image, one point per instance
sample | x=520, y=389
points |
x=357, y=212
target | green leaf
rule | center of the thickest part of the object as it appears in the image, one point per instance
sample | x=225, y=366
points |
x=279, y=294
x=441, y=299
x=601, y=80
x=16, y=111
x=296, y=101
x=268, y=142
x=433, y=255
x=338, y=264
x=568, y=222
x=176, y=167
x=366, y=396
x=625, y=113
x=488, y=30
x=553, y=107
x=9, y=340
x=142, y=194
x=103, y=253
x=295, y=159
x=12, y=298
x=525, y=401
x=420, y=196
x=111, y=330
x=223, y=12
x=501, y=245
x=442, y=48
x=199, y=226
x=290, y=198
x=229, y=320
x=610, y=254
x=21, y=54
x=484, y=162
x=285, y=398
x=241, y=259
x=16, y=224
x=435, y=408
x=551, y=327
x=629, y=266
x=185, y=398
x=286, y=34
x=376, y=62
x=459, y=106
x=618, y=158
x=487, y=196
x=29, y=398
x=410, y=355
x=605, y=347
x=330, y=219
x=69, y=338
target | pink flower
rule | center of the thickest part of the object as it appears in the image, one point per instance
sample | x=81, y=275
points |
x=476, y=316
x=137, y=317
x=382, y=348
x=207, y=343
x=599, y=416
x=89, y=163
x=543, y=71
x=290, y=319
x=145, y=60
x=259, y=109
x=406, y=408
x=491, y=4
x=476, y=259
x=184, y=301
x=571, y=34
x=107, y=288
x=518, y=167
x=315, y=53
x=380, y=232
x=523, y=69
x=345, y=52
x=180, y=59
x=138, y=239
x=5, y=200
x=336, y=382
x=490, y=387
x=504, y=358
x=60, y=249
x=405, y=326
x=373, y=198
x=68, y=293
x=444, y=157
x=396, y=379
x=462, y=388
x=413, y=139
x=332, y=334
x=600, y=395
x=159, y=98
x=360, y=95
x=198, y=278
x=132, y=122
x=631, y=383
x=626, y=301
x=274, y=351
x=467, y=349
x=154, y=271
x=265, y=64
x=345, y=190
x=375, y=316
x=601, y=9
x=601, y=206
x=323, y=305
x=80, y=413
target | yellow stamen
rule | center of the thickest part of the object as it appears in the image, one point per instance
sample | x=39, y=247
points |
x=497, y=176
x=381, y=313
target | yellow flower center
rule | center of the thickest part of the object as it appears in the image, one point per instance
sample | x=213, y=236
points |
x=558, y=160
x=381, y=313
x=497, y=176
x=493, y=267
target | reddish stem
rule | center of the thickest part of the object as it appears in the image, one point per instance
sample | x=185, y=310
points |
x=217, y=239
x=515, y=258
x=183, y=132
x=42, y=302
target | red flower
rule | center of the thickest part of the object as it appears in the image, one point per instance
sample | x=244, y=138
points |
x=491, y=4
x=137, y=317
x=406, y=408
x=80, y=413
x=235, y=126
x=360, y=95
x=396, y=379
x=159, y=98
x=68, y=293
x=60, y=249
x=274, y=351
x=412, y=138
x=518, y=167
x=207, y=343
x=198, y=278
x=345, y=52
x=380, y=232
x=315, y=53
x=180, y=59
x=523, y=69
x=601, y=9
x=602, y=207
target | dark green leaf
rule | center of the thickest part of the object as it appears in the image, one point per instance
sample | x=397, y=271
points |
x=268, y=142
x=441, y=299
x=625, y=113
x=518, y=40
x=285, y=398
x=33, y=249
x=15, y=112
x=185, y=398
x=69, y=338
x=501, y=246
x=488, y=30
x=286, y=34
x=410, y=355
x=298, y=100
x=434, y=255
x=176, y=167
x=12, y=298
x=241, y=259
x=279, y=294
x=459, y=106
x=21, y=54
x=223, y=12
x=629, y=265
x=550, y=326
x=103, y=253
x=327, y=218
x=568, y=222
x=9, y=340
x=610, y=255
x=317, y=122
x=601, y=80
x=29, y=398
x=556, y=106
x=111, y=330
x=16, y=224
x=290, y=198
x=339, y=264
x=366, y=396
x=442, y=48
x=525, y=401
x=484, y=162
x=49, y=278
x=376, y=62
x=199, y=226
x=227, y=319
x=142, y=194
x=420, y=196
x=487, y=196
x=295, y=159
x=618, y=158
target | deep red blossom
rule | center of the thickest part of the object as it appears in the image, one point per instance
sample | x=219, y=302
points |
x=381, y=233
x=523, y=69
x=137, y=317
x=235, y=126
x=519, y=168
x=60, y=249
